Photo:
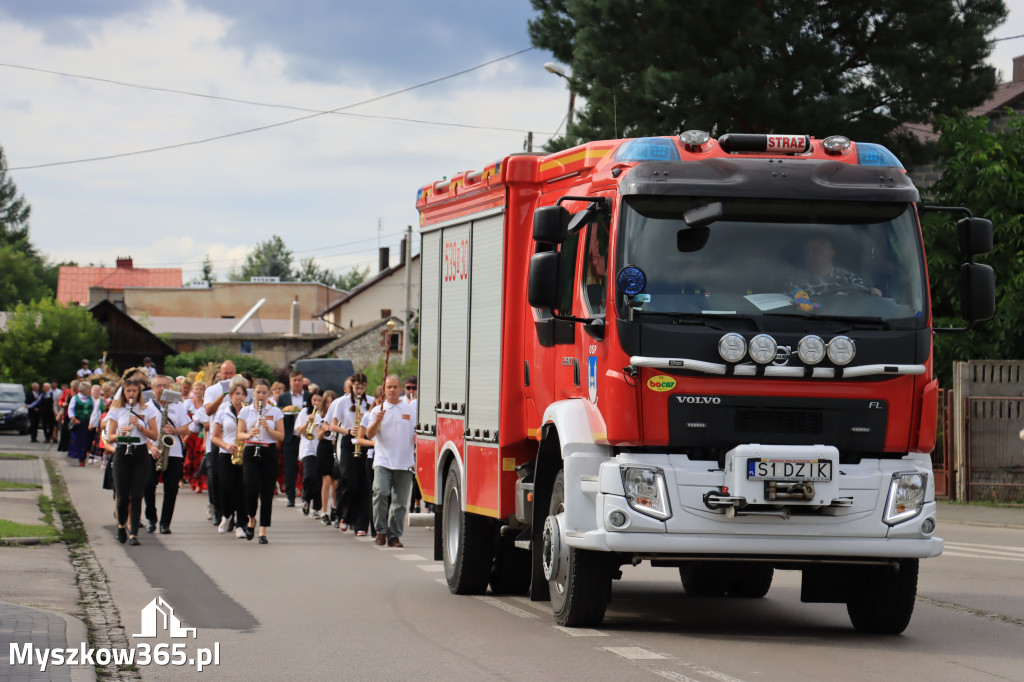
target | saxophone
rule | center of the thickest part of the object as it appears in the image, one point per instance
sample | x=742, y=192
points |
x=357, y=449
x=166, y=441
x=311, y=426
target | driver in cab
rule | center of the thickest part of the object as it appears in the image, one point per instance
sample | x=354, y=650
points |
x=821, y=278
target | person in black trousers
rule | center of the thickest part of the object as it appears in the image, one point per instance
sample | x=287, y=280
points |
x=230, y=476
x=134, y=423
x=290, y=402
x=261, y=426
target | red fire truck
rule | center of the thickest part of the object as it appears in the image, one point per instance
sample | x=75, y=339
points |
x=710, y=354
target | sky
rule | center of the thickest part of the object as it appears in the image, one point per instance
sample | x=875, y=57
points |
x=334, y=186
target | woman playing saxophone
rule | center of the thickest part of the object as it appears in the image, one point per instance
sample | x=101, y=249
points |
x=230, y=488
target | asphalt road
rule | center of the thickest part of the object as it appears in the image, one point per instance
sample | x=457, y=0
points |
x=321, y=604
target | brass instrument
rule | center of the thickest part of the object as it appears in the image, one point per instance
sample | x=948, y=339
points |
x=357, y=449
x=236, y=457
x=310, y=433
x=166, y=440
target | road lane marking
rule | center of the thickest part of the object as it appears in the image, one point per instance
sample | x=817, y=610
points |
x=712, y=673
x=431, y=568
x=580, y=632
x=499, y=604
x=672, y=675
x=988, y=557
x=410, y=557
x=633, y=653
x=986, y=549
x=1011, y=548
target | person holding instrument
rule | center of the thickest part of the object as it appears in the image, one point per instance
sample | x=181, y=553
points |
x=307, y=424
x=325, y=457
x=129, y=425
x=261, y=426
x=345, y=416
x=229, y=474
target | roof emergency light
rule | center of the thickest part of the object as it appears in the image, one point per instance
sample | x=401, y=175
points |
x=648, y=149
x=871, y=154
x=695, y=140
x=754, y=143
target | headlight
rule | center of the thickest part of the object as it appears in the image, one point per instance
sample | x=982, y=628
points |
x=21, y=411
x=762, y=349
x=732, y=347
x=646, y=491
x=906, y=497
x=841, y=350
x=811, y=350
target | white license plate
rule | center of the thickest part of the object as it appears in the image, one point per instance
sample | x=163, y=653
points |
x=789, y=469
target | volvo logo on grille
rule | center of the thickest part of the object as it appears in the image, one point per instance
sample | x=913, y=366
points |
x=699, y=399
x=782, y=354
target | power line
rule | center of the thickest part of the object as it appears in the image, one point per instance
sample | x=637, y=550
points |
x=999, y=40
x=260, y=104
x=273, y=125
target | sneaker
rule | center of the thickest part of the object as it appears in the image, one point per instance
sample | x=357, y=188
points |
x=223, y=527
x=360, y=533
x=381, y=539
x=342, y=526
x=134, y=541
x=239, y=532
x=210, y=511
x=394, y=542
x=325, y=520
x=305, y=508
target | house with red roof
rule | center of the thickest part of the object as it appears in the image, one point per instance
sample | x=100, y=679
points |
x=73, y=282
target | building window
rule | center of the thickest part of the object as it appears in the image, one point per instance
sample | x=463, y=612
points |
x=245, y=347
x=385, y=312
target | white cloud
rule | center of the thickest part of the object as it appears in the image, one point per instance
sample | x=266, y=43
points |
x=320, y=182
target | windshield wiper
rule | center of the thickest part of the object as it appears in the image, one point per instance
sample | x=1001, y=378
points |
x=854, y=321
x=704, y=318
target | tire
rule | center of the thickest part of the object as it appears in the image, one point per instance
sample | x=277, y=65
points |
x=882, y=599
x=467, y=542
x=581, y=599
x=703, y=579
x=511, y=571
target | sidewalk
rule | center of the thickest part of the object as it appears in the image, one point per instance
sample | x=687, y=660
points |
x=980, y=515
x=38, y=589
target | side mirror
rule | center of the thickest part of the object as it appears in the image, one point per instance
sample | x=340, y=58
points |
x=975, y=236
x=550, y=224
x=977, y=291
x=542, y=288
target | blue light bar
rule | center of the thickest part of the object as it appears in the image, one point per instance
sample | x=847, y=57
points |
x=648, y=149
x=871, y=154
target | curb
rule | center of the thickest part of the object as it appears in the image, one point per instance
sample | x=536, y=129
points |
x=27, y=541
x=77, y=636
x=984, y=524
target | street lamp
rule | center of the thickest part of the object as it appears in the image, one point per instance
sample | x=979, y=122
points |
x=559, y=70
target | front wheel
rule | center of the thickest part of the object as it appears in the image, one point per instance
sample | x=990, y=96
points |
x=467, y=542
x=881, y=600
x=580, y=581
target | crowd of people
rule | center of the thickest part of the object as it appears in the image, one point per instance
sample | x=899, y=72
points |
x=348, y=460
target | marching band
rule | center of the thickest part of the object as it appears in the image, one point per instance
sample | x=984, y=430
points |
x=223, y=431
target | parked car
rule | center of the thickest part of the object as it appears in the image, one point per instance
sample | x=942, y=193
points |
x=327, y=373
x=13, y=413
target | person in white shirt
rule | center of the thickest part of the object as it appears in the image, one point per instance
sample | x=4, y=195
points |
x=176, y=427
x=353, y=486
x=213, y=398
x=133, y=424
x=148, y=368
x=306, y=427
x=409, y=398
x=261, y=426
x=325, y=463
x=392, y=431
x=230, y=484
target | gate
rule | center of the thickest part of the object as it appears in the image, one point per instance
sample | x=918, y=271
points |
x=987, y=416
x=942, y=455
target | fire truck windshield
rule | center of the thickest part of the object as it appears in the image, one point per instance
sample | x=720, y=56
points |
x=854, y=260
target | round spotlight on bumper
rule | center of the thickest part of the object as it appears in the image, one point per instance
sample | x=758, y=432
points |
x=762, y=349
x=617, y=519
x=841, y=350
x=811, y=350
x=732, y=347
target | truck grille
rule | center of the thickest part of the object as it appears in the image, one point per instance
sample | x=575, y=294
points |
x=778, y=421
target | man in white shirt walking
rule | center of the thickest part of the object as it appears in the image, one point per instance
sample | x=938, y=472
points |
x=392, y=428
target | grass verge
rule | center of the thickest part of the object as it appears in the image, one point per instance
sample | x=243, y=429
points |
x=10, y=529
x=14, y=485
x=11, y=455
x=74, y=531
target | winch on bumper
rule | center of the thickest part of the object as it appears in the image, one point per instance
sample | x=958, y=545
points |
x=768, y=501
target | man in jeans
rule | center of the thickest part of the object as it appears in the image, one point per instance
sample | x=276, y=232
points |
x=392, y=429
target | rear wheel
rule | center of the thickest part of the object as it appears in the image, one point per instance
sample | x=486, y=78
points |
x=703, y=580
x=580, y=581
x=467, y=542
x=881, y=600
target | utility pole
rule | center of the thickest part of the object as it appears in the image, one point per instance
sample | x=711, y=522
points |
x=406, y=336
x=528, y=145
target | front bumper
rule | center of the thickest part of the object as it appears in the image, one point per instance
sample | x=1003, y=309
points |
x=813, y=532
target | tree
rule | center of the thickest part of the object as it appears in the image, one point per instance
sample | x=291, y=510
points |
x=309, y=271
x=19, y=278
x=350, y=279
x=14, y=212
x=658, y=67
x=183, y=363
x=983, y=171
x=47, y=340
x=271, y=258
